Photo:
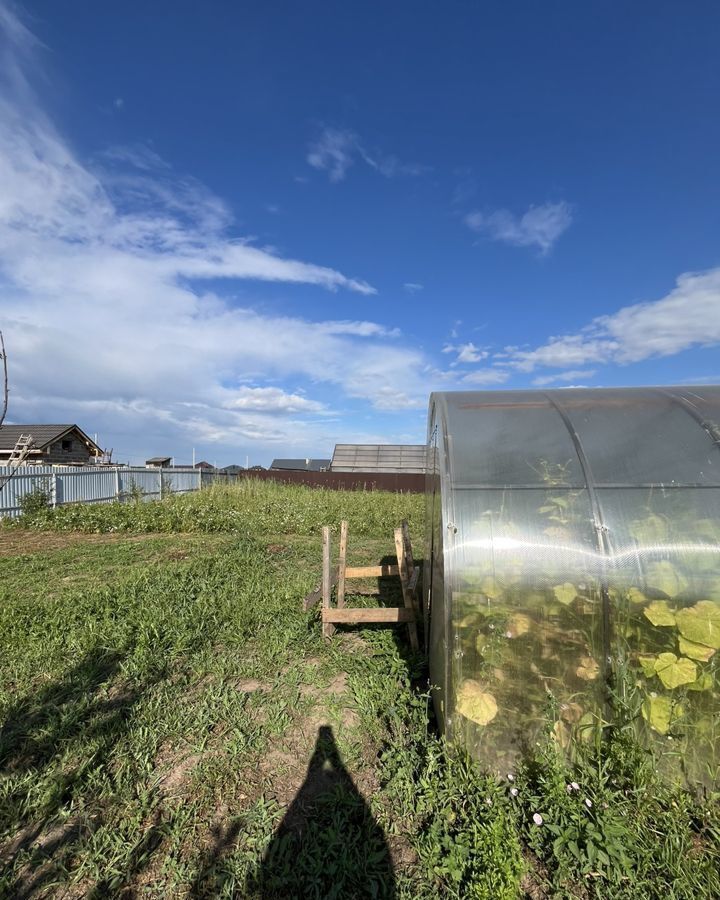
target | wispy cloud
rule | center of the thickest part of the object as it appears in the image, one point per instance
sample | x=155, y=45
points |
x=337, y=149
x=563, y=377
x=117, y=266
x=412, y=287
x=466, y=353
x=540, y=226
x=689, y=316
x=273, y=400
x=486, y=377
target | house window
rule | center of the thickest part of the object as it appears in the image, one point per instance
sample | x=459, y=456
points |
x=67, y=445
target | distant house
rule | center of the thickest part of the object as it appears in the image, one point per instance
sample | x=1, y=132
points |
x=205, y=466
x=300, y=465
x=379, y=458
x=61, y=445
x=158, y=462
x=232, y=470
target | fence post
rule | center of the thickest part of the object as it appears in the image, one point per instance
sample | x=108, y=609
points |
x=160, y=482
x=53, y=489
x=117, y=485
x=199, y=474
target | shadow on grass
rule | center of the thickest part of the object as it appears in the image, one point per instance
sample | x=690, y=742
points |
x=328, y=844
x=53, y=745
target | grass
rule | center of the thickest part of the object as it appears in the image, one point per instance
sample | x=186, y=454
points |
x=174, y=725
x=249, y=508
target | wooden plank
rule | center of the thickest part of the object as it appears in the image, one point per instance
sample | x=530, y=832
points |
x=408, y=547
x=328, y=628
x=413, y=583
x=371, y=571
x=407, y=596
x=342, y=564
x=316, y=594
x=351, y=616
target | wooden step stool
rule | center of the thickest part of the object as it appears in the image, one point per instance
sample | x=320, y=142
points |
x=405, y=569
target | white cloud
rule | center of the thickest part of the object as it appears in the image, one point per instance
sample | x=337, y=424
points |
x=412, y=287
x=466, y=353
x=543, y=380
x=540, y=226
x=333, y=152
x=273, y=400
x=111, y=310
x=486, y=377
x=689, y=316
x=337, y=149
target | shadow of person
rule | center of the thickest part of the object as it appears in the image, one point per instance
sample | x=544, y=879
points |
x=328, y=845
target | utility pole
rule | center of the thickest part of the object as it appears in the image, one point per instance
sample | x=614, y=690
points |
x=193, y=457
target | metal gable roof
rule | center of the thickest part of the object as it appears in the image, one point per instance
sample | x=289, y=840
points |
x=379, y=458
x=42, y=435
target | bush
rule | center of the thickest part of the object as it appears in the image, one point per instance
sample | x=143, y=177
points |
x=37, y=501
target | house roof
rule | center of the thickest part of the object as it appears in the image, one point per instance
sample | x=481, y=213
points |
x=379, y=458
x=43, y=435
x=304, y=465
x=157, y=460
x=232, y=469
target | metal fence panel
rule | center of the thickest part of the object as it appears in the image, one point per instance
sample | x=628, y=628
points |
x=90, y=485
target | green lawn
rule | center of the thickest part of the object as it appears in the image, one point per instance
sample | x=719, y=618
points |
x=173, y=725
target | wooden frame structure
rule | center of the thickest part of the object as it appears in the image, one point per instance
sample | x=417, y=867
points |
x=405, y=569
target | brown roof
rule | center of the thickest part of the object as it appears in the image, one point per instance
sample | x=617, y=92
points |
x=43, y=435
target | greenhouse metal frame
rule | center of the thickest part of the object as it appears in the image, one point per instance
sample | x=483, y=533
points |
x=573, y=559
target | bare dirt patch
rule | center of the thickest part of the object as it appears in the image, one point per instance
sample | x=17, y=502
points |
x=20, y=543
x=250, y=685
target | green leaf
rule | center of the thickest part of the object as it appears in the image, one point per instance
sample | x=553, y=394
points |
x=701, y=623
x=635, y=595
x=475, y=703
x=704, y=683
x=659, y=613
x=663, y=576
x=650, y=530
x=648, y=665
x=695, y=651
x=565, y=593
x=656, y=712
x=673, y=671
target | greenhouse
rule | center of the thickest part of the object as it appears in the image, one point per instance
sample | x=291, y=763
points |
x=574, y=570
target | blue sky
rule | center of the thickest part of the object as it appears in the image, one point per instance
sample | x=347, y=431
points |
x=258, y=229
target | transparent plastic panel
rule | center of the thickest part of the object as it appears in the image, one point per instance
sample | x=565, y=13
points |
x=665, y=579
x=535, y=594
x=523, y=571
x=508, y=438
x=641, y=436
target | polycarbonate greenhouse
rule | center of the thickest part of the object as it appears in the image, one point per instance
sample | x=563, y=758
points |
x=574, y=569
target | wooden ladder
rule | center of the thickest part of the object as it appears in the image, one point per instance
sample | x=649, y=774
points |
x=405, y=569
x=20, y=451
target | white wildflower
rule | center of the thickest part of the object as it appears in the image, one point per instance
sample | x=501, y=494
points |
x=537, y=819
